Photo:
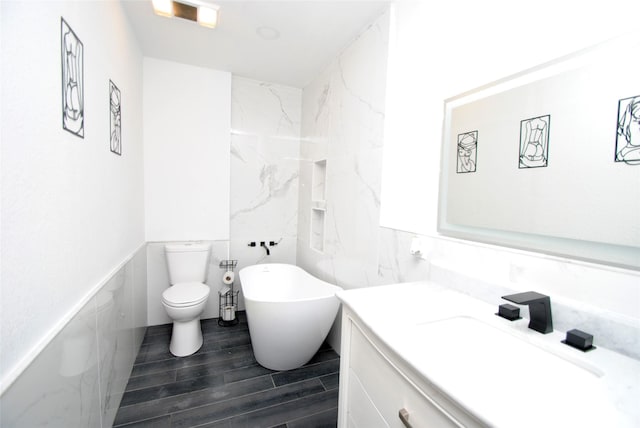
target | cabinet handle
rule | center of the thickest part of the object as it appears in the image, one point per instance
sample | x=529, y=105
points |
x=404, y=417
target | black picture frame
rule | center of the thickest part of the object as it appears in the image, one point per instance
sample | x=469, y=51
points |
x=72, y=71
x=627, y=131
x=115, y=119
x=534, y=142
x=467, y=158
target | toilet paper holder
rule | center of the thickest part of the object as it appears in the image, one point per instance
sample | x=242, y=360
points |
x=227, y=296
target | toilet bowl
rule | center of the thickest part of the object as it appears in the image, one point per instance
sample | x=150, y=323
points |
x=184, y=304
x=186, y=299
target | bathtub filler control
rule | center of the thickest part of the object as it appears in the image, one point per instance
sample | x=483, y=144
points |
x=264, y=245
x=266, y=248
x=539, y=309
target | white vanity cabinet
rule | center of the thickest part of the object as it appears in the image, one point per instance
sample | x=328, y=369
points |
x=445, y=360
x=375, y=390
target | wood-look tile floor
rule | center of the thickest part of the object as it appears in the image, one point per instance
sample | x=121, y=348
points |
x=222, y=385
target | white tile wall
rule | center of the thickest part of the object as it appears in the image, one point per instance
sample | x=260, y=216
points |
x=80, y=376
x=265, y=151
x=598, y=299
x=343, y=115
x=265, y=147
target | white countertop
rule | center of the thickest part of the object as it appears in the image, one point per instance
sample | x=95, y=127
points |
x=549, y=385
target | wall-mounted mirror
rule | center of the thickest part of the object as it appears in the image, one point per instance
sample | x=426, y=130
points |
x=549, y=160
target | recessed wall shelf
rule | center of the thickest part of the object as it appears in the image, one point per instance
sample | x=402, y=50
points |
x=318, y=180
x=318, y=204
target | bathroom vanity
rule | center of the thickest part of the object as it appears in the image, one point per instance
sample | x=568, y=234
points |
x=379, y=390
x=444, y=359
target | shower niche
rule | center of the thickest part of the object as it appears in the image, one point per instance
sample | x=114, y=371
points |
x=318, y=204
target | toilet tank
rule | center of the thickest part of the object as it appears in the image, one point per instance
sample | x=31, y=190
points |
x=187, y=262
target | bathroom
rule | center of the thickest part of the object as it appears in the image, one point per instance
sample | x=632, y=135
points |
x=79, y=223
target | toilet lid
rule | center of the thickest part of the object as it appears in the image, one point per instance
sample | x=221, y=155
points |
x=186, y=293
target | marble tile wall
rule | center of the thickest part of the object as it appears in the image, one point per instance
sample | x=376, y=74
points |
x=80, y=376
x=598, y=299
x=343, y=115
x=265, y=153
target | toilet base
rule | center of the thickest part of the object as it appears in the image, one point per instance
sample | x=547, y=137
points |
x=186, y=337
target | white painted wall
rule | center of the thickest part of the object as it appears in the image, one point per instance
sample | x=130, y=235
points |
x=72, y=211
x=187, y=124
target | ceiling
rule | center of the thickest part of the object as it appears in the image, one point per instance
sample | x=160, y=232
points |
x=308, y=35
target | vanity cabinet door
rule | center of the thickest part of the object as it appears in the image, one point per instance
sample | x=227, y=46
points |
x=389, y=392
x=362, y=412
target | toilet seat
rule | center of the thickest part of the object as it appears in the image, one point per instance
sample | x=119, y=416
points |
x=185, y=294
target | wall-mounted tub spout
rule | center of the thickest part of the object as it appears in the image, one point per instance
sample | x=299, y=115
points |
x=262, y=244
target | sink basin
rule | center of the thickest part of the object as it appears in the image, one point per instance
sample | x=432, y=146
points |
x=492, y=371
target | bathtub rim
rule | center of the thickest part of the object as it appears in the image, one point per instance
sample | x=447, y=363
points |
x=332, y=289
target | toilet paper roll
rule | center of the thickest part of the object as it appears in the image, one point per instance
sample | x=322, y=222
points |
x=229, y=313
x=224, y=290
x=227, y=278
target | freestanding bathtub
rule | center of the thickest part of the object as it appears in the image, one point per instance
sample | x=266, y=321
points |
x=289, y=311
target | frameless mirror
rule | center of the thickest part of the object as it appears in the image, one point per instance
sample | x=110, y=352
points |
x=549, y=159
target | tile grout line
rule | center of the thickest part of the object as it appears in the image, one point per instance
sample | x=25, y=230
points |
x=198, y=390
x=175, y=376
x=307, y=416
x=247, y=395
x=256, y=410
x=186, y=366
x=175, y=373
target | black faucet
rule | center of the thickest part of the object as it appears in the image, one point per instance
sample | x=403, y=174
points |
x=262, y=244
x=539, y=309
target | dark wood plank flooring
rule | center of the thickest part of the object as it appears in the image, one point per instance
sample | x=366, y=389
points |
x=223, y=386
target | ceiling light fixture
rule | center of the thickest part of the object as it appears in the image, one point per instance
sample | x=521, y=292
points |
x=163, y=7
x=205, y=14
x=208, y=16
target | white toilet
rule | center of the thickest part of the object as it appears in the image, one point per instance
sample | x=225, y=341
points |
x=187, y=296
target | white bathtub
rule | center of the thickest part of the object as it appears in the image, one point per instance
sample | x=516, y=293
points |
x=289, y=311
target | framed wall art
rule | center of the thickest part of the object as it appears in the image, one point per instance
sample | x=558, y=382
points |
x=72, y=62
x=467, y=152
x=115, y=119
x=628, y=131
